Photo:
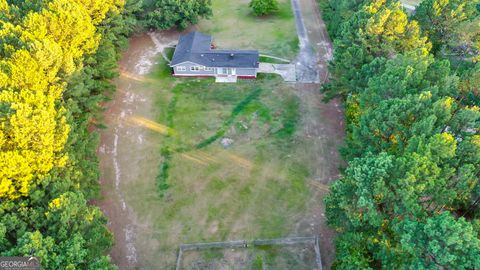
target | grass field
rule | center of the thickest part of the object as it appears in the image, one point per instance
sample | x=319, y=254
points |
x=234, y=26
x=203, y=190
x=254, y=188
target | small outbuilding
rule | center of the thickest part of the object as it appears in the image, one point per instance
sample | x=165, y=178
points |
x=195, y=56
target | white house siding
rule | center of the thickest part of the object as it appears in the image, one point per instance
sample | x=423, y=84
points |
x=188, y=72
x=184, y=69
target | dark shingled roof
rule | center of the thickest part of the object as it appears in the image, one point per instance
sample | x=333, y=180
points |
x=195, y=47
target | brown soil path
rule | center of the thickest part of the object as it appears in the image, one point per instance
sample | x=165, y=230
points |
x=125, y=146
x=323, y=130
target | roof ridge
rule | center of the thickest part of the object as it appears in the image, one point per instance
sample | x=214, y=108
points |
x=196, y=47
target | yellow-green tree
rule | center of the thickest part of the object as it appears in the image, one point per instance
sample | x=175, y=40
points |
x=453, y=26
x=32, y=79
x=50, y=50
x=388, y=29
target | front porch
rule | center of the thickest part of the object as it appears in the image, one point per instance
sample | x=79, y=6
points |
x=226, y=79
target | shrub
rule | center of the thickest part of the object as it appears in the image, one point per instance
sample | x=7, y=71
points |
x=264, y=7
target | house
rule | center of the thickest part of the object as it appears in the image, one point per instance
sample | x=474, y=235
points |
x=195, y=56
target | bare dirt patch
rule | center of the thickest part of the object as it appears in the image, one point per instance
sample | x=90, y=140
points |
x=298, y=257
x=126, y=148
x=322, y=134
x=323, y=131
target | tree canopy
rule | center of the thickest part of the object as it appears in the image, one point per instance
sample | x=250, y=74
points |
x=263, y=7
x=379, y=29
x=57, y=59
x=409, y=197
x=453, y=26
x=165, y=14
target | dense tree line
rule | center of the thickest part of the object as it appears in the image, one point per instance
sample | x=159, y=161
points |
x=452, y=26
x=409, y=197
x=165, y=14
x=57, y=60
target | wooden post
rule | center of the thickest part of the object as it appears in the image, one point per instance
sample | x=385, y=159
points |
x=179, y=259
x=317, y=252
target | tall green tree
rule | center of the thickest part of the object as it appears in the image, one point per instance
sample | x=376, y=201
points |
x=165, y=14
x=470, y=85
x=410, y=196
x=441, y=241
x=453, y=26
x=378, y=29
x=336, y=12
x=55, y=221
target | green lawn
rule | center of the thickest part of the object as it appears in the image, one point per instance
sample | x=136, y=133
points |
x=234, y=26
x=256, y=187
x=253, y=189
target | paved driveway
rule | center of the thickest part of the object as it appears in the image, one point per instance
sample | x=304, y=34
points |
x=306, y=62
x=287, y=71
x=309, y=66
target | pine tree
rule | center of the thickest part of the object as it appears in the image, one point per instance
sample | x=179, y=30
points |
x=165, y=14
x=452, y=25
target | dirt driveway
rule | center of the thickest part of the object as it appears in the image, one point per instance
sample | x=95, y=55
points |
x=323, y=124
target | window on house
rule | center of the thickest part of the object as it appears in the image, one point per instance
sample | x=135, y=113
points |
x=181, y=68
x=197, y=68
x=209, y=68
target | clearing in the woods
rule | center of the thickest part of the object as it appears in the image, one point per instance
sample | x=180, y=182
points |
x=413, y=3
x=189, y=160
x=233, y=26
